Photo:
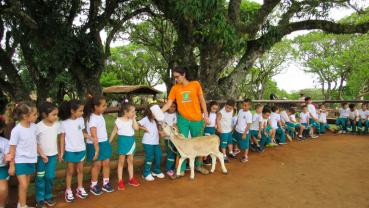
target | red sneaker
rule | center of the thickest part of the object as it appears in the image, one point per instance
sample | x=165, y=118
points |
x=121, y=185
x=133, y=182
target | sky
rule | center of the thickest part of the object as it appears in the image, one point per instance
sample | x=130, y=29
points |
x=293, y=77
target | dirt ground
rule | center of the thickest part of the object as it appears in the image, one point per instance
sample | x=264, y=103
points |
x=332, y=171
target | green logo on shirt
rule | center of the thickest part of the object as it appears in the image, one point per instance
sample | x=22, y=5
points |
x=186, y=97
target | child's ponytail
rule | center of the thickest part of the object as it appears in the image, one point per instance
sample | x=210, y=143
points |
x=66, y=107
x=90, y=105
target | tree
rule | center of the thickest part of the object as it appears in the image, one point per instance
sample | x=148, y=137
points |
x=213, y=33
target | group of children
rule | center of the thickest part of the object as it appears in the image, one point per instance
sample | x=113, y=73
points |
x=34, y=146
x=351, y=120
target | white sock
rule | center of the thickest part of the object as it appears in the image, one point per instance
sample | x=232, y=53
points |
x=106, y=181
x=231, y=152
x=93, y=183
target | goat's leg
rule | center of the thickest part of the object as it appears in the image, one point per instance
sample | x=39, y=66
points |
x=213, y=162
x=192, y=167
x=180, y=161
x=221, y=159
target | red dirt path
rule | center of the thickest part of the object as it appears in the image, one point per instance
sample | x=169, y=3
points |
x=332, y=171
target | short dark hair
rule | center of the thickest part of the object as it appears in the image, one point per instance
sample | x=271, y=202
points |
x=292, y=110
x=230, y=102
x=307, y=98
x=352, y=105
x=343, y=104
x=275, y=108
x=247, y=100
x=304, y=106
x=266, y=110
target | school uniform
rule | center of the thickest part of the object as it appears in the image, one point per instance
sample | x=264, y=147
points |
x=4, y=166
x=75, y=146
x=256, y=124
x=352, y=119
x=363, y=123
x=151, y=145
x=226, y=127
x=26, y=149
x=341, y=121
x=210, y=128
x=126, y=137
x=323, y=122
x=290, y=127
x=314, y=114
x=280, y=135
x=244, y=118
x=170, y=119
x=47, y=139
x=265, y=138
x=105, y=149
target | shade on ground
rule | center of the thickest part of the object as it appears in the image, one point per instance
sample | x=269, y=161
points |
x=332, y=171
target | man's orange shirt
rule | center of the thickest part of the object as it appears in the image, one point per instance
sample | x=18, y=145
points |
x=188, y=100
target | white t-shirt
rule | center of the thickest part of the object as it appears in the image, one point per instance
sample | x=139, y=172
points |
x=98, y=122
x=212, y=119
x=323, y=117
x=243, y=119
x=47, y=137
x=256, y=120
x=25, y=141
x=275, y=118
x=284, y=116
x=312, y=110
x=363, y=114
x=234, y=121
x=170, y=118
x=4, y=150
x=151, y=137
x=73, y=130
x=344, y=113
x=125, y=128
x=264, y=122
x=226, y=121
x=293, y=118
x=304, y=117
x=353, y=114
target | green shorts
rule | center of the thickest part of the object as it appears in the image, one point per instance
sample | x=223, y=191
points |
x=25, y=168
x=225, y=139
x=4, y=175
x=209, y=131
x=126, y=145
x=105, y=151
x=74, y=157
x=185, y=126
x=242, y=143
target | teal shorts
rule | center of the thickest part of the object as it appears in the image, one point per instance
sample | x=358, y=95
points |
x=4, y=175
x=126, y=145
x=25, y=168
x=254, y=133
x=105, y=151
x=225, y=139
x=74, y=157
x=243, y=144
x=209, y=131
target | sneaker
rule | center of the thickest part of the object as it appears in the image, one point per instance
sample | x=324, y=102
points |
x=289, y=137
x=81, y=193
x=158, y=175
x=260, y=149
x=269, y=145
x=314, y=136
x=340, y=132
x=225, y=159
x=107, y=188
x=121, y=185
x=69, y=196
x=50, y=202
x=202, y=170
x=149, y=178
x=171, y=175
x=236, y=151
x=232, y=155
x=41, y=204
x=95, y=190
x=133, y=182
x=282, y=143
x=244, y=159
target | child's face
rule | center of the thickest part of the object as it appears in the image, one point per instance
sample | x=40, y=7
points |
x=214, y=108
x=364, y=107
x=131, y=112
x=246, y=106
x=266, y=115
x=172, y=108
x=101, y=108
x=322, y=107
x=345, y=106
x=228, y=108
x=259, y=110
x=32, y=116
x=52, y=116
x=309, y=101
x=77, y=113
x=305, y=110
x=179, y=77
x=276, y=111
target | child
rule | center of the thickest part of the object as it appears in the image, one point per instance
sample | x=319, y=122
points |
x=275, y=118
x=236, y=150
x=241, y=133
x=341, y=121
x=23, y=148
x=266, y=132
x=353, y=119
x=313, y=120
x=210, y=127
x=363, y=122
x=224, y=127
x=4, y=166
x=98, y=148
x=151, y=145
x=72, y=145
x=47, y=145
x=289, y=129
x=256, y=128
x=125, y=126
x=323, y=114
x=170, y=117
x=305, y=121
x=293, y=122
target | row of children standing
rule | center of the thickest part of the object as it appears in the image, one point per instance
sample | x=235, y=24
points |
x=33, y=148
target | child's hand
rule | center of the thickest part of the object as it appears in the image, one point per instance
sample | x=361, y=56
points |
x=60, y=157
x=96, y=155
x=259, y=135
x=243, y=136
x=45, y=158
x=11, y=170
x=8, y=158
